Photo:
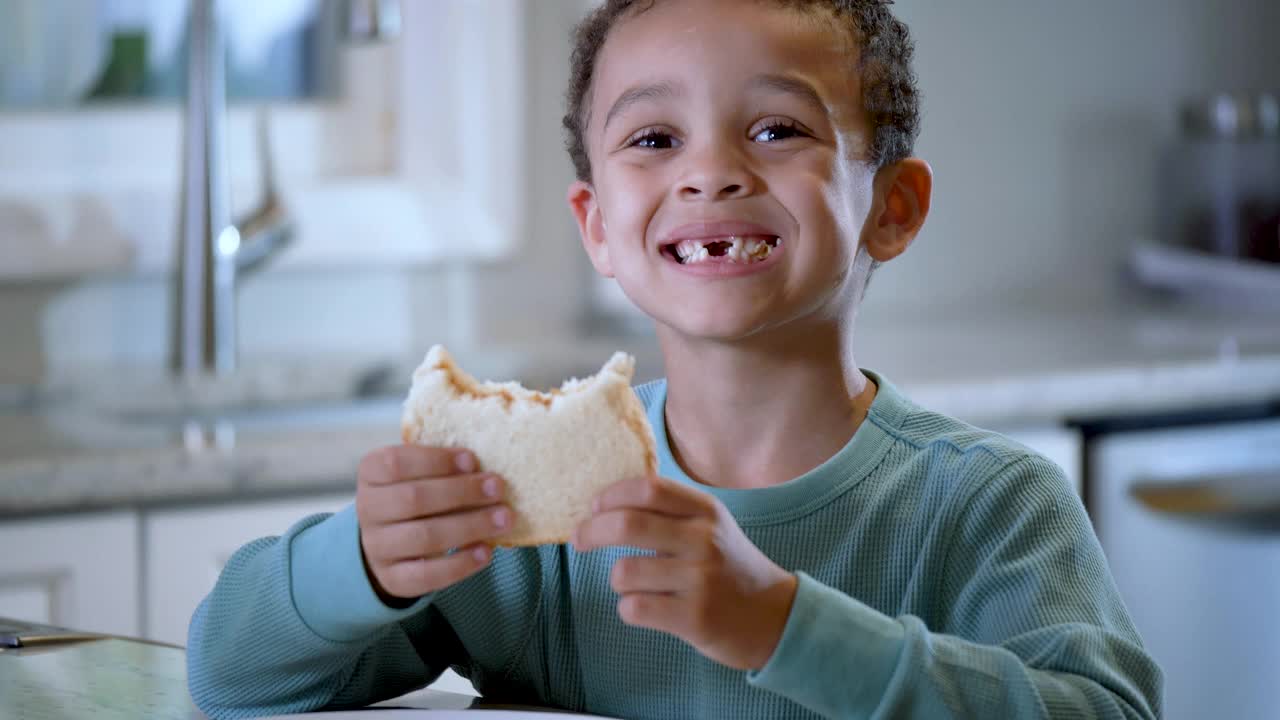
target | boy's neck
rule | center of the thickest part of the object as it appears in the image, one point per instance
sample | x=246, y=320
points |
x=761, y=412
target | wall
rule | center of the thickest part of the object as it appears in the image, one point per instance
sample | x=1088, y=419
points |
x=1044, y=122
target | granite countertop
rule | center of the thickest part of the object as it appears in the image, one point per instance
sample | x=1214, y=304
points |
x=1035, y=364
x=82, y=444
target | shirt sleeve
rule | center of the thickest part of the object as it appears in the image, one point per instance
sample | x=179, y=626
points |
x=1032, y=626
x=294, y=625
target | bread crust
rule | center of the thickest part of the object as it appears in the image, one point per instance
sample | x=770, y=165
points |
x=556, y=449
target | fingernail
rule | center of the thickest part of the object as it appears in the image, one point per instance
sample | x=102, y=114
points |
x=491, y=486
x=500, y=518
x=465, y=462
x=481, y=553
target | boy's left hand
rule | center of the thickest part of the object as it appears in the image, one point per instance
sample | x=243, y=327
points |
x=708, y=585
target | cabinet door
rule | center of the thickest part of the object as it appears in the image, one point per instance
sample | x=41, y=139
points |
x=78, y=571
x=1059, y=444
x=185, y=550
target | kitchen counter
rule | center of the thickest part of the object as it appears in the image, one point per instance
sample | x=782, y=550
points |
x=1003, y=367
x=1019, y=364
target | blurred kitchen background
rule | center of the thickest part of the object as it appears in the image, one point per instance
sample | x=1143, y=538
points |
x=1099, y=278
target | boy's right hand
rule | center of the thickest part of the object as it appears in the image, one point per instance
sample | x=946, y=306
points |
x=414, y=505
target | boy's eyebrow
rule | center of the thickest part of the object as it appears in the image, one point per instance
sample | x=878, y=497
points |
x=636, y=94
x=776, y=83
x=791, y=86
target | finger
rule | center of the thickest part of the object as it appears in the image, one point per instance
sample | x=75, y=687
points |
x=415, y=578
x=637, y=528
x=437, y=535
x=657, y=494
x=638, y=573
x=407, y=462
x=665, y=613
x=432, y=496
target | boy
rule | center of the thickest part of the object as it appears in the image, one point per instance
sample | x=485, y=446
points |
x=816, y=545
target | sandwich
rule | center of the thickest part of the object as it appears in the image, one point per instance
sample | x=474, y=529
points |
x=556, y=450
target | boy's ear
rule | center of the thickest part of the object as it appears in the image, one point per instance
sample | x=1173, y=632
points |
x=902, y=193
x=582, y=202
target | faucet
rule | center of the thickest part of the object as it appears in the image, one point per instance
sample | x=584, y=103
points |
x=214, y=251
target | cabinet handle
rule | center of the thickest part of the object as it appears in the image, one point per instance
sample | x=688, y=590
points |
x=1248, y=502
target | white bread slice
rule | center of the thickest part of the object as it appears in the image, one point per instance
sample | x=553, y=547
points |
x=555, y=450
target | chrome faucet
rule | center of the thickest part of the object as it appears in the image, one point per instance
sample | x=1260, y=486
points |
x=214, y=251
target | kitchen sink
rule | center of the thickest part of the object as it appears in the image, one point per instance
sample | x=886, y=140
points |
x=304, y=417
x=306, y=406
x=202, y=427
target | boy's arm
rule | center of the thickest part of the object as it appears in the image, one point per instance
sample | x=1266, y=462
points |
x=1035, y=626
x=294, y=625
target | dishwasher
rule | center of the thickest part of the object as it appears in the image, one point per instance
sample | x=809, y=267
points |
x=1187, y=508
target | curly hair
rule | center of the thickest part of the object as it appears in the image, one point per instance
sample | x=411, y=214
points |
x=890, y=95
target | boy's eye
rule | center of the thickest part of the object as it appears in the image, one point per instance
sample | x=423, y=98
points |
x=777, y=130
x=653, y=139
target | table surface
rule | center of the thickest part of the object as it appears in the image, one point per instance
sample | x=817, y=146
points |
x=116, y=677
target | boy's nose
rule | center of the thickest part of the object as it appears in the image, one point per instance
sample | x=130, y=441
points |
x=695, y=191
x=715, y=176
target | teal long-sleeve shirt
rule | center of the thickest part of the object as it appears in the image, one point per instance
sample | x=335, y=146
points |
x=944, y=571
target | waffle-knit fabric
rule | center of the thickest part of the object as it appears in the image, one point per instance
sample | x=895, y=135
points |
x=945, y=571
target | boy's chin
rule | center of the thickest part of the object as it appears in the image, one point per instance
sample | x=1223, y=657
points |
x=741, y=326
x=713, y=329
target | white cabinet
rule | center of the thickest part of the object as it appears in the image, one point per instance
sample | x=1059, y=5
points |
x=1199, y=570
x=80, y=572
x=1059, y=444
x=186, y=549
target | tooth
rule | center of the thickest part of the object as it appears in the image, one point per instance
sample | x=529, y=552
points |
x=699, y=255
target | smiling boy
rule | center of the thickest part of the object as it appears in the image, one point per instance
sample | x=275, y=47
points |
x=815, y=544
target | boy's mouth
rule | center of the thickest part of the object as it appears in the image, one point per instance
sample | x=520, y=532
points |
x=736, y=249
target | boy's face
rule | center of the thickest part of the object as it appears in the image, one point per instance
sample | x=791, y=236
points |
x=711, y=119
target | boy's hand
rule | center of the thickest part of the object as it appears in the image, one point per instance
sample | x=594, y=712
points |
x=414, y=505
x=708, y=584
